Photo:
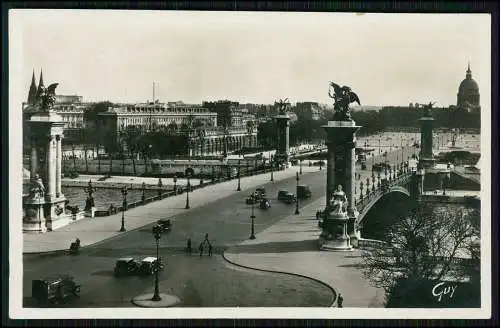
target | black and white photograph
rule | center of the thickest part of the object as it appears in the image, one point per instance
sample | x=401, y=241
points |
x=216, y=164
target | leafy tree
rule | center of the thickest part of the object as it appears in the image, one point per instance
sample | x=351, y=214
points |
x=91, y=114
x=425, y=247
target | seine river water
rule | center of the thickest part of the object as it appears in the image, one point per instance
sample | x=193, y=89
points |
x=103, y=197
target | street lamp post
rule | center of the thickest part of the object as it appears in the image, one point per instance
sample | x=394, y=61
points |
x=187, y=192
x=300, y=163
x=272, y=168
x=143, y=197
x=297, y=202
x=157, y=236
x=252, y=234
x=175, y=184
x=160, y=186
x=124, y=207
x=239, y=176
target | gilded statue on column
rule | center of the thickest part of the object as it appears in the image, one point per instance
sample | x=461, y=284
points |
x=343, y=96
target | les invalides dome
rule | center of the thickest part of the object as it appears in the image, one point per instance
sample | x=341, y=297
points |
x=468, y=93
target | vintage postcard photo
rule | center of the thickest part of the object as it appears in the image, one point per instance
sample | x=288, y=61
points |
x=188, y=164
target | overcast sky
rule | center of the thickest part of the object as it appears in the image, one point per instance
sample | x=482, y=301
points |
x=387, y=59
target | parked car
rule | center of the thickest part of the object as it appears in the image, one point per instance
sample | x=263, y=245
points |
x=165, y=224
x=379, y=167
x=54, y=289
x=290, y=198
x=303, y=191
x=126, y=266
x=282, y=194
x=149, y=265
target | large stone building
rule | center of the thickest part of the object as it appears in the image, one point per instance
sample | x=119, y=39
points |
x=194, y=126
x=308, y=109
x=468, y=93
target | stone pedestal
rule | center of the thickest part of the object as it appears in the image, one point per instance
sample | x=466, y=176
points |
x=334, y=235
x=34, y=217
x=341, y=160
x=426, y=155
x=283, y=150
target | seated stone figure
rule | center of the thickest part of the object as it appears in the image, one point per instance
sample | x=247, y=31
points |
x=339, y=201
x=37, y=189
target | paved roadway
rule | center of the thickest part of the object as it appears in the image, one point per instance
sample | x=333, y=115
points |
x=197, y=281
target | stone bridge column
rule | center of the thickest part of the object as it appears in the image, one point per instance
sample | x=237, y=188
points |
x=341, y=142
x=58, y=165
x=50, y=167
x=34, y=159
x=283, y=125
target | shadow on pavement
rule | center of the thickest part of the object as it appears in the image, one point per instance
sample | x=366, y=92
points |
x=277, y=247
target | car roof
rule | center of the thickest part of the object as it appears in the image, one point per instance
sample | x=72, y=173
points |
x=149, y=259
x=125, y=259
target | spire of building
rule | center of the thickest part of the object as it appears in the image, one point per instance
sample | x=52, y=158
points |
x=33, y=90
x=40, y=85
x=469, y=72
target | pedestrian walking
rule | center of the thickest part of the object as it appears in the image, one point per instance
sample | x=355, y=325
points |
x=209, y=249
x=340, y=301
x=189, y=249
x=200, y=248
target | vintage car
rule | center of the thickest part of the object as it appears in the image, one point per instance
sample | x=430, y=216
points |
x=260, y=191
x=149, y=265
x=165, y=224
x=54, y=289
x=254, y=198
x=282, y=194
x=303, y=191
x=264, y=204
x=290, y=198
x=126, y=266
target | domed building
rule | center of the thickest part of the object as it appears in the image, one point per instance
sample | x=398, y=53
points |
x=468, y=93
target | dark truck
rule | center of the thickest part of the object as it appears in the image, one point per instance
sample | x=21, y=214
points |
x=303, y=191
x=54, y=289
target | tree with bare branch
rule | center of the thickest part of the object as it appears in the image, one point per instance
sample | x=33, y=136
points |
x=430, y=244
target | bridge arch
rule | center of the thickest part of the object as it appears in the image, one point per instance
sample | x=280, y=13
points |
x=383, y=211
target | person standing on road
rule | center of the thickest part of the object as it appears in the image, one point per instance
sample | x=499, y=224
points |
x=200, y=248
x=340, y=301
x=189, y=249
x=209, y=249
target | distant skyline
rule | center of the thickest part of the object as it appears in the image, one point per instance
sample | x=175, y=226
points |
x=387, y=59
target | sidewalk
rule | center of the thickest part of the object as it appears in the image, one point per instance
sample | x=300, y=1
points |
x=291, y=246
x=91, y=231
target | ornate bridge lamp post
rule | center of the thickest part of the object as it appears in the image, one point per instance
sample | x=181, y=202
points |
x=300, y=163
x=239, y=175
x=157, y=236
x=373, y=181
x=272, y=168
x=90, y=205
x=361, y=191
x=367, y=187
x=175, y=184
x=188, y=187
x=124, y=192
x=378, y=180
x=297, y=191
x=252, y=217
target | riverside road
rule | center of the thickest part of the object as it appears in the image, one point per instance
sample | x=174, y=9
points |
x=197, y=281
